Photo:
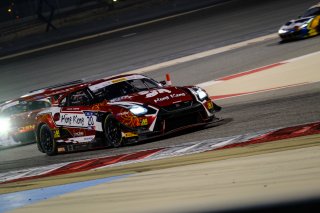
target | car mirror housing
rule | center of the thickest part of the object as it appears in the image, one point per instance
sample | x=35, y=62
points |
x=163, y=83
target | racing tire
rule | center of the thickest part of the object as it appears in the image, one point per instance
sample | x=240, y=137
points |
x=46, y=141
x=112, y=131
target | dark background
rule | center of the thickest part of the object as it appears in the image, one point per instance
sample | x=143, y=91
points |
x=25, y=8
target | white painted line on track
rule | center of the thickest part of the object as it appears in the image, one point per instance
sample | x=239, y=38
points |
x=209, y=83
x=104, y=33
x=128, y=35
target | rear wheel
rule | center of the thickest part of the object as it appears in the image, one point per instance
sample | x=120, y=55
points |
x=46, y=141
x=112, y=131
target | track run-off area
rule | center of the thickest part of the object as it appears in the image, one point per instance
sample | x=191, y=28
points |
x=266, y=150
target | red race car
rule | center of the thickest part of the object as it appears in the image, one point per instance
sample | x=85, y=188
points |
x=17, y=117
x=119, y=110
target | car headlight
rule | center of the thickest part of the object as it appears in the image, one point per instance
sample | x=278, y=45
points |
x=202, y=95
x=138, y=110
x=303, y=26
x=281, y=31
x=4, y=125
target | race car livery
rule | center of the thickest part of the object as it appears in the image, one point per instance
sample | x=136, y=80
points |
x=17, y=117
x=120, y=110
x=307, y=25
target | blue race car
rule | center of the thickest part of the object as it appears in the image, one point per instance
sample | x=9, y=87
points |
x=305, y=26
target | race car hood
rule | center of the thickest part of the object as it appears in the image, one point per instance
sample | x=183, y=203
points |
x=296, y=24
x=157, y=97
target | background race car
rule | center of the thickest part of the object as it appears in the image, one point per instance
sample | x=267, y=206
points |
x=306, y=26
x=120, y=110
x=17, y=117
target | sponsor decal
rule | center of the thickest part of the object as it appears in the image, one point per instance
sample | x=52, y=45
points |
x=87, y=119
x=121, y=98
x=118, y=80
x=78, y=134
x=177, y=95
x=161, y=99
x=99, y=105
x=153, y=93
x=129, y=134
x=124, y=113
x=56, y=133
x=27, y=128
x=143, y=121
x=83, y=139
x=209, y=105
x=61, y=149
x=128, y=118
x=73, y=109
x=72, y=120
x=166, y=98
x=88, y=138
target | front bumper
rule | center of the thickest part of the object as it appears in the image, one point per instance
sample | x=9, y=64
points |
x=294, y=34
x=24, y=137
x=171, y=120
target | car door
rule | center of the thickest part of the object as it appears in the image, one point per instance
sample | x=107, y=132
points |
x=77, y=117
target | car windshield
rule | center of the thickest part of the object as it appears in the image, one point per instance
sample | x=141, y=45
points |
x=312, y=12
x=125, y=88
x=25, y=107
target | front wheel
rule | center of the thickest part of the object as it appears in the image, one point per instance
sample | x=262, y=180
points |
x=46, y=141
x=112, y=131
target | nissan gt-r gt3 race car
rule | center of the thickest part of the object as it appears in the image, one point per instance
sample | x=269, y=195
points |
x=307, y=25
x=17, y=117
x=120, y=110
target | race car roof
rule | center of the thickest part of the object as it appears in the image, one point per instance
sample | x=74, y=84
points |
x=113, y=80
x=71, y=86
x=100, y=83
x=45, y=92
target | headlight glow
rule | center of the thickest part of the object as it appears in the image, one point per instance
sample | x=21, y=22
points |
x=138, y=110
x=201, y=93
x=303, y=26
x=281, y=31
x=4, y=125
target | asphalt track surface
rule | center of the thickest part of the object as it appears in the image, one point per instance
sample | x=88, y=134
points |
x=224, y=24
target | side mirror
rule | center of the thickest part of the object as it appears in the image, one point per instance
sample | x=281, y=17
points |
x=163, y=83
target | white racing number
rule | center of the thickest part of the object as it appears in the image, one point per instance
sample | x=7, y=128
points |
x=150, y=94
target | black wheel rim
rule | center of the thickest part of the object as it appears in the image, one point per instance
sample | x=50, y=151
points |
x=46, y=141
x=113, y=133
